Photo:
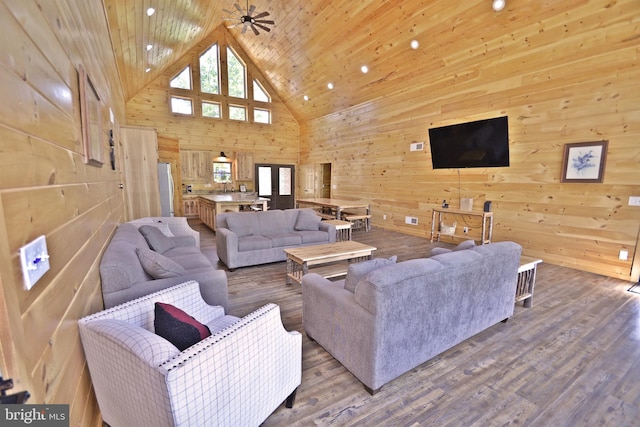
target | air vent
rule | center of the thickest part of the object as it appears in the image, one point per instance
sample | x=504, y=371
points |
x=417, y=146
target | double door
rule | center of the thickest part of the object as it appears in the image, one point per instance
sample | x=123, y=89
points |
x=276, y=182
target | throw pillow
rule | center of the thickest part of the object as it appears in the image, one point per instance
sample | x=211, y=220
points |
x=243, y=224
x=164, y=227
x=178, y=327
x=156, y=240
x=358, y=270
x=307, y=220
x=467, y=244
x=159, y=266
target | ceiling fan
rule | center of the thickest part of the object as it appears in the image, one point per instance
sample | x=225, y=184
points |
x=247, y=19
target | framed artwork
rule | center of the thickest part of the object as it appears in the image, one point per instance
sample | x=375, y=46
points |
x=584, y=161
x=90, y=119
x=243, y=188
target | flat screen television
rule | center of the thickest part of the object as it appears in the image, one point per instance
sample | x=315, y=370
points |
x=478, y=144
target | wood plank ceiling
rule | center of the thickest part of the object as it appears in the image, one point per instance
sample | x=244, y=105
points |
x=313, y=42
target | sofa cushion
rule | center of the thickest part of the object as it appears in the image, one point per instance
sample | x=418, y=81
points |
x=358, y=270
x=156, y=240
x=314, y=236
x=467, y=244
x=253, y=243
x=307, y=220
x=157, y=265
x=178, y=327
x=243, y=224
x=189, y=257
x=273, y=222
x=287, y=239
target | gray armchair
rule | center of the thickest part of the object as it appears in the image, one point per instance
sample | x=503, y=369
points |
x=236, y=377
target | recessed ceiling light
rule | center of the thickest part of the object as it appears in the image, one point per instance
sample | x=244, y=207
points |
x=149, y=46
x=414, y=44
x=498, y=5
x=150, y=11
x=330, y=85
x=147, y=70
x=364, y=69
x=306, y=98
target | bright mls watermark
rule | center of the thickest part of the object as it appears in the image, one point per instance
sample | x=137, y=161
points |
x=34, y=415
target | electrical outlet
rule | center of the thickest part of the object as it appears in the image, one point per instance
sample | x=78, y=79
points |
x=384, y=217
x=634, y=201
x=34, y=260
x=623, y=255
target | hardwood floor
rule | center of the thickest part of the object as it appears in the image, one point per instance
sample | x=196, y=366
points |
x=573, y=359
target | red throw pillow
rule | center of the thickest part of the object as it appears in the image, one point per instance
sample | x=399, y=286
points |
x=178, y=327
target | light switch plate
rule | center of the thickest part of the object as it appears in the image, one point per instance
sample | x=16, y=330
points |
x=634, y=201
x=34, y=260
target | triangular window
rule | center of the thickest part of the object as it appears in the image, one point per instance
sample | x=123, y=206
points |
x=182, y=80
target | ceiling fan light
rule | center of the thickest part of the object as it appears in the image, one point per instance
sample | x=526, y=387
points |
x=498, y=5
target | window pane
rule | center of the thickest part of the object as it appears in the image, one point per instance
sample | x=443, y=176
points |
x=259, y=94
x=237, y=77
x=261, y=116
x=221, y=172
x=209, y=75
x=182, y=80
x=237, y=113
x=181, y=105
x=211, y=109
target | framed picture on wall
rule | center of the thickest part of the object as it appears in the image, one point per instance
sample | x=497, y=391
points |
x=90, y=119
x=584, y=161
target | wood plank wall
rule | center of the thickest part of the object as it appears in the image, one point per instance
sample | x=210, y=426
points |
x=45, y=188
x=563, y=73
x=274, y=143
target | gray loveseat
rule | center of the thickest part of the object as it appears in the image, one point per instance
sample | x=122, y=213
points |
x=134, y=265
x=252, y=238
x=400, y=315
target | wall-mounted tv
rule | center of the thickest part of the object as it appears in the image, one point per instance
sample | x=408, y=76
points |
x=479, y=144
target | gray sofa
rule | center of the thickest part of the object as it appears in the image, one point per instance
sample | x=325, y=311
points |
x=252, y=238
x=134, y=265
x=398, y=316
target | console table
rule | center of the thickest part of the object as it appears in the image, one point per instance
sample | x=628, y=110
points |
x=486, y=217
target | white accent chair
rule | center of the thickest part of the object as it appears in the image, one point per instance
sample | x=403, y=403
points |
x=236, y=377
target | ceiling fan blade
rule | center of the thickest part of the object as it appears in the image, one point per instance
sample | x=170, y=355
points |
x=239, y=8
x=254, y=30
x=230, y=12
x=251, y=10
x=261, y=15
x=267, y=29
x=262, y=21
x=244, y=27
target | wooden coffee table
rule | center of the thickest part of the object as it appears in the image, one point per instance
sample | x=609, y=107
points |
x=326, y=258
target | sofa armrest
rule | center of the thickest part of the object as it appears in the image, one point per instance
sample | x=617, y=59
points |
x=178, y=225
x=254, y=357
x=227, y=246
x=329, y=228
x=338, y=323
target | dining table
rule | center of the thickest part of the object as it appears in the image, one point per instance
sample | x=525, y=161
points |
x=334, y=208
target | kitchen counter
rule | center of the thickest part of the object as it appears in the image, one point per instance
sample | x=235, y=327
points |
x=213, y=204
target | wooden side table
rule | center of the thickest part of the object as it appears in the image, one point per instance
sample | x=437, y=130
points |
x=343, y=229
x=526, y=279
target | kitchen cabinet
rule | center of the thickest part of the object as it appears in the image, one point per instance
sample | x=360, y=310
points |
x=196, y=166
x=207, y=212
x=244, y=167
x=190, y=206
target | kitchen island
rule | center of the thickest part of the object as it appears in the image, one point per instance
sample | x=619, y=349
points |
x=213, y=204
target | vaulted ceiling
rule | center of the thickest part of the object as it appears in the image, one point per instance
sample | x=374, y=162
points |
x=313, y=42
